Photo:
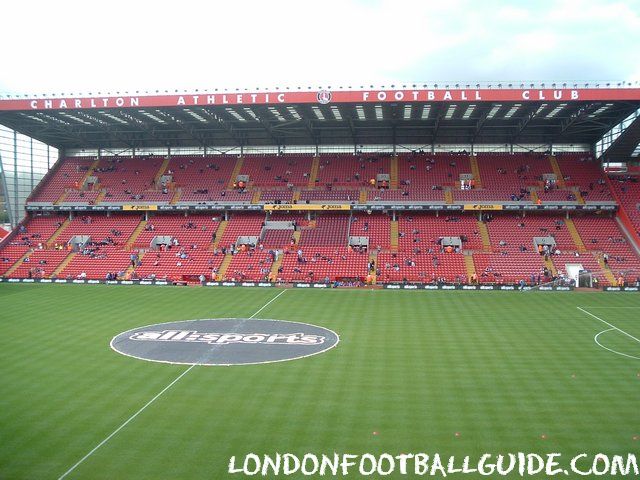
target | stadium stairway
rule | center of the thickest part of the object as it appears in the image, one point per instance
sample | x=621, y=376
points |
x=315, y=166
x=484, y=234
x=56, y=234
x=296, y=236
x=606, y=271
x=469, y=266
x=100, y=196
x=235, y=172
x=575, y=236
x=363, y=196
x=296, y=196
x=394, y=235
x=62, y=265
x=222, y=271
x=176, y=196
x=550, y=266
x=161, y=170
x=579, y=196
x=61, y=198
x=219, y=232
x=81, y=182
x=136, y=233
x=556, y=169
x=256, y=197
x=448, y=196
x=273, y=274
x=534, y=195
x=393, y=174
x=131, y=268
x=373, y=257
x=475, y=170
x=19, y=262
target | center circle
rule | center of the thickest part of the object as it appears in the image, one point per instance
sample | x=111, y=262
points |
x=224, y=341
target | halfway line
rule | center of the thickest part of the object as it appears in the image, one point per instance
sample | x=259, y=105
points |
x=149, y=403
x=607, y=323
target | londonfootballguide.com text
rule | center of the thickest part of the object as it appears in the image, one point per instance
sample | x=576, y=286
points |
x=434, y=465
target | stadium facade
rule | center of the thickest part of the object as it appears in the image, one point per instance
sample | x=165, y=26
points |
x=294, y=159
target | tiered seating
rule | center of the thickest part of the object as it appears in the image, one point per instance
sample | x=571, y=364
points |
x=242, y=225
x=628, y=192
x=130, y=179
x=420, y=172
x=67, y=175
x=406, y=194
x=587, y=260
x=37, y=230
x=351, y=171
x=10, y=255
x=169, y=264
x=105, y=260
x=510, y=268
x=271, y=196
x=509, y=236
x=205, y=174
x=316, y=196
x=601, y=234
x=277, y=239
x=277, y=171
x=250, y=266
x=194, y=229
x=40, y=264
x=581, y=170
x=516, y=232
x=330, y=229
x=99, y=227
x=421, y=267
x=322, y=263
x=377, y=227
x=81, y=197
x=506, y=175
x=421, y=231
x=557, y=195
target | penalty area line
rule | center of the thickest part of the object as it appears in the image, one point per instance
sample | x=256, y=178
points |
x=158, y=395
x=609, y=324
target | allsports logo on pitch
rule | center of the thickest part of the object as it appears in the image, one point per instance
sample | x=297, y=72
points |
x=193, y=336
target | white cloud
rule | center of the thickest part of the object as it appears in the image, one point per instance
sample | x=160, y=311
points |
x=62, y=46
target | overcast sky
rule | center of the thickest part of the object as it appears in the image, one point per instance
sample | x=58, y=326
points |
x=80, y=46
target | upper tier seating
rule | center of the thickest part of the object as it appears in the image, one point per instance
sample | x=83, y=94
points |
x=203, y=179
x=628, y=192
x=67, y=175
x=352, y=171
x=130, y=179
x=582, y=171
x=277, y=171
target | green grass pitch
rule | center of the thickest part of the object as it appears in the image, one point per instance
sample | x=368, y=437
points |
x=506, y=371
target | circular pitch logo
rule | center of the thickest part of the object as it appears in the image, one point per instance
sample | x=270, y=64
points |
x=225, y=341
x=324, y=97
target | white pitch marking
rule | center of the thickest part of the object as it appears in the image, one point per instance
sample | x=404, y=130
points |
x=610, y=349
x=112, y=434
x=609, y=324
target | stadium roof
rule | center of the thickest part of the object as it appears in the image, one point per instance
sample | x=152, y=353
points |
x=411, y=115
